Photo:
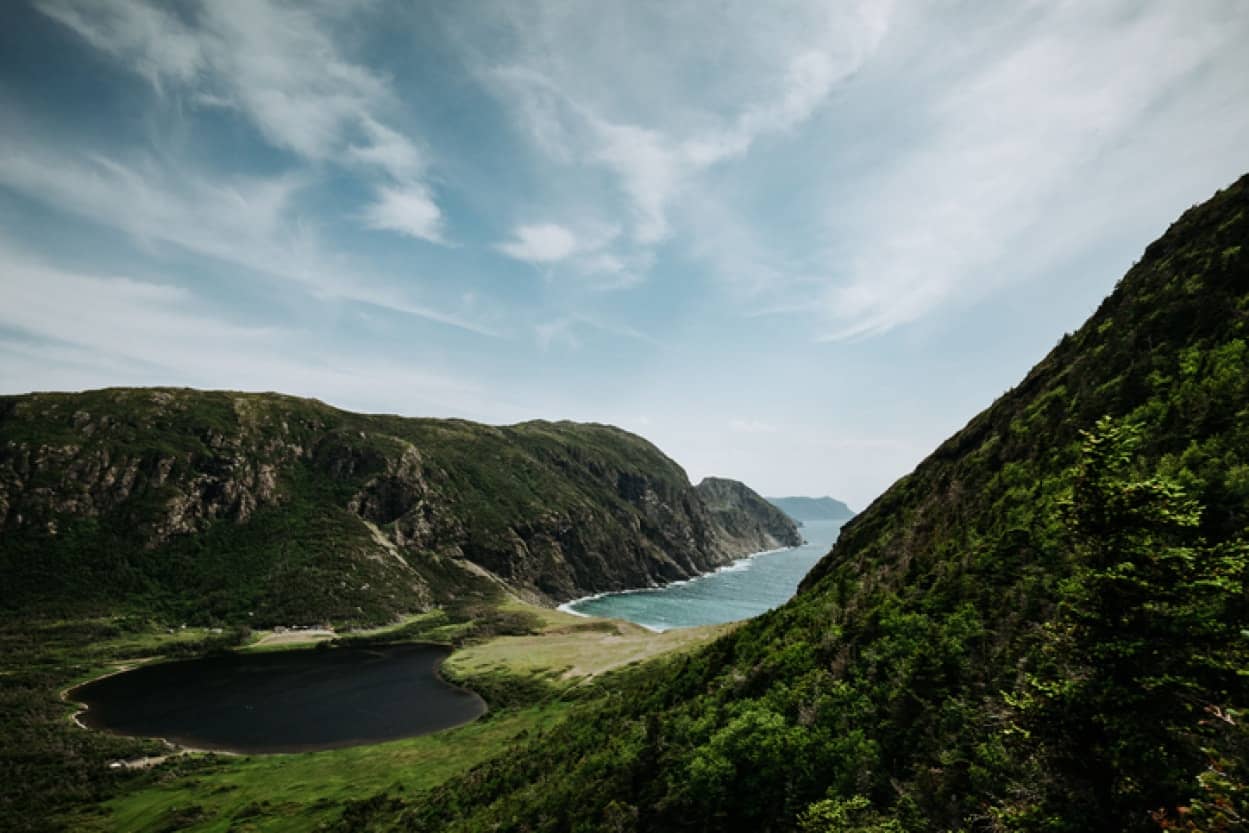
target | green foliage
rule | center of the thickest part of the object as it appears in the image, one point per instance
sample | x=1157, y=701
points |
x=849, y=815
x=1148, y=637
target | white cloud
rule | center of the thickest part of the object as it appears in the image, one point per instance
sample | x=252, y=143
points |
x=610, y=102
x=1013, y=145
x=408, y=211
x=156, y=44
x=563, y=331
x=243, y=220
x=71, y=339
x=540, y=243
x=585, y=252
x=277, y=64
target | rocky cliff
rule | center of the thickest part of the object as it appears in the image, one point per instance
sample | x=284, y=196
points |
x=269, y=508
x=745, y=518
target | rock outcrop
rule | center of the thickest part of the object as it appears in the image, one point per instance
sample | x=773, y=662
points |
x=278, y=509
x=745, y=519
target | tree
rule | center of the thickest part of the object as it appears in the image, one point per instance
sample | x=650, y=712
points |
x=1148, y=639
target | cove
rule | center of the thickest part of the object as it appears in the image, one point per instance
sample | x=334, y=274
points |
x=741, y=590
x=283, y=701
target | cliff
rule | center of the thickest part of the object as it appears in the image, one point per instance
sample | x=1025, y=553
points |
x=746, y=519
x=272, y=509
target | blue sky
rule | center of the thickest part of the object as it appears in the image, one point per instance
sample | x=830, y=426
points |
x=793, y=243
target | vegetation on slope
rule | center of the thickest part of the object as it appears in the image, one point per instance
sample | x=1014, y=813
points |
x=1043, y=627
x=228, y=508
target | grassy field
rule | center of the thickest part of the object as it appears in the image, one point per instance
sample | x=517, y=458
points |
x=571, y=649
x=297, y=792
x=528, y=678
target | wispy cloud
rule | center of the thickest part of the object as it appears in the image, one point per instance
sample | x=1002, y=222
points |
x=278, y=65
x=563, y=331
x=540, y=243
x=246, y=221
x=588, y=251
x=1012, y=142
x=586, y=101
x=69, y=321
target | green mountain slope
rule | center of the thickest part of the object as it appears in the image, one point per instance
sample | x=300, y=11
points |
x=813, y=508
x=224, y=507
x=1034, y=630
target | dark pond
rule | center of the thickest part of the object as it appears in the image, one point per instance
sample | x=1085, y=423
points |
x=287, y=701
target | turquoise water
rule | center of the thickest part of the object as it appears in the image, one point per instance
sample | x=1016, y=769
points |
x=741, y=590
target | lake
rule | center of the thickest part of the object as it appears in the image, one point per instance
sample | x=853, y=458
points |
x=743, y=589
x=284, y=701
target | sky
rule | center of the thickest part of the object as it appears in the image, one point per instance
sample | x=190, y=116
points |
x=793, y=243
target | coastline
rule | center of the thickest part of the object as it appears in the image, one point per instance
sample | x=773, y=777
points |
x=736, y=564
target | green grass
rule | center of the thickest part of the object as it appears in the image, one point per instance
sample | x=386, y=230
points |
x=297, y=792
x=530, y=663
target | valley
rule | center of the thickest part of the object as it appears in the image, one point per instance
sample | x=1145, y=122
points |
x=1042, y=627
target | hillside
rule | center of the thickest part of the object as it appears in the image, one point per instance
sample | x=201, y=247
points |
x=218, y=507
x=745, y=516
x=812, y=508
x=1037, y=629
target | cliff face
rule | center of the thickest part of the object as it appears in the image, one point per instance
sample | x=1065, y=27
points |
x=276, y=509
x=745, y=518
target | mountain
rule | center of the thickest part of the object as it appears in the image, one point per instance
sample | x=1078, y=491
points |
x=745, y=516
x=261, y=508
x=1042, y=627
x=813, y=508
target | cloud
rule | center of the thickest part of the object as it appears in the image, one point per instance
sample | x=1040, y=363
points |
x=157, y=45
x=541, y=243
x=68, y=337
x=1013, y=143
x=408, y=211
x=585, y=252
x=563, y=331
x=583, y=100
x=245, y=221
x=277, y=64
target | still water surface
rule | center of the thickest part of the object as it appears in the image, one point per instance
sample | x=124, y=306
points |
x=741, y=590
x=288, y=701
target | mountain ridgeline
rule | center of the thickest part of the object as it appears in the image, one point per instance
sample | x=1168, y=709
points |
x=812, y=508
x=267, y=509
x=1045, y=626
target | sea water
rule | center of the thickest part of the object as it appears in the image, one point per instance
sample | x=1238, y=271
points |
x=745, y=588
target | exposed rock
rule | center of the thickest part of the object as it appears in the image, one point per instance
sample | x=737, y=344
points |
x=746, y=520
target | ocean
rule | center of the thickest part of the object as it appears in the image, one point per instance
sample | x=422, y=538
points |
x=745, y=588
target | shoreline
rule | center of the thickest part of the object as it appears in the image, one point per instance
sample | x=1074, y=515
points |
x=740, y=563
x=179, y=748
x=82, y=708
